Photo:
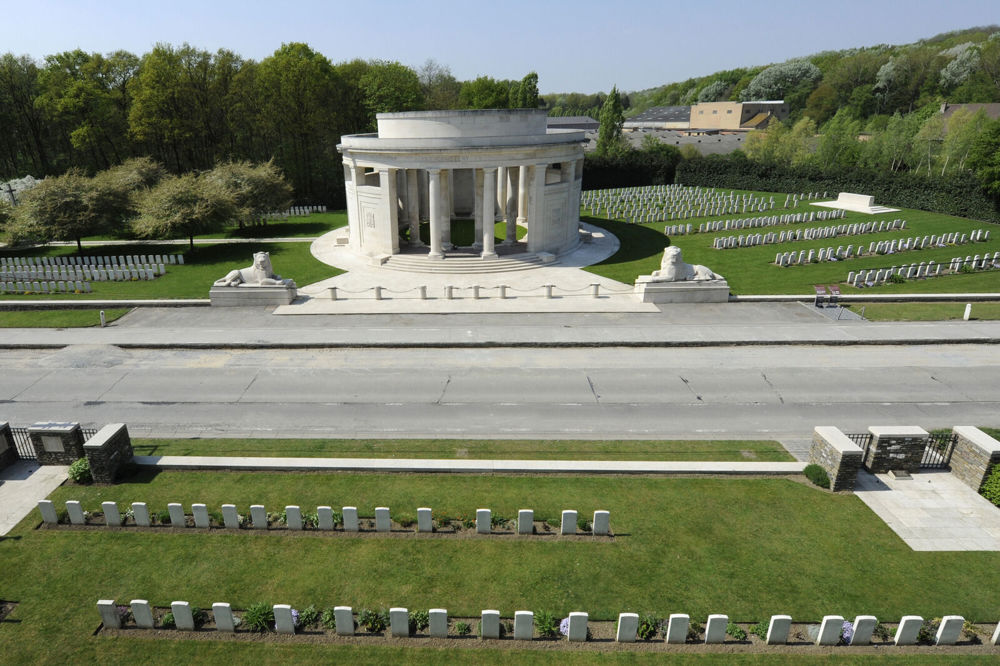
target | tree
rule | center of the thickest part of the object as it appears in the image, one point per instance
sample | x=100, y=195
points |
x=439, y=86
x=822, y=103
x=484, y=92
x=984, y=158
x=120, y=188
x=780, y=81
x=838, y=143
x=716, y=91
x=609, y=135
x=254, y=189
x=526, y=96
x=184, y=205
x=389, y=87
x=962, y=129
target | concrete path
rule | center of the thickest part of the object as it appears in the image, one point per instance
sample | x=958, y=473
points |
x=468, y=466
x=22, y=485
x=932, y=511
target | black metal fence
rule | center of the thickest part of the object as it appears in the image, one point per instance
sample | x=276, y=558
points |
x=862, y=439
x=937, y=455
x=26, y=450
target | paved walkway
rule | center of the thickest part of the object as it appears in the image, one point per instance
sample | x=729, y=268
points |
x=468, y=466
x=932, y=511
x=22, y=485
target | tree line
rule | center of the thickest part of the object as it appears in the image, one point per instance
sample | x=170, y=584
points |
x=189, y=109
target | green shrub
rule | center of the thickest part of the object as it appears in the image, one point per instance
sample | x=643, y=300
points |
x=329, y=619
x=817, y=475
x=649, y=625
x=259, y=617
x=582, y=524
x=736, y=631
x=463, y=628
x=406, y=519
x=546, y=624
x=374, y=621
x=760, y=630
x=163, y=517
x=971, y=633
x=79, y=472
x=168, y=621
x=695, y=630
x=498, y=521
x=199, y=616
x=338, y=518
x=896, y=278
x=309, y=617
x=419, y=620
x=928, y=631
x=882, y=632
x=310, y=520
x=991, y=487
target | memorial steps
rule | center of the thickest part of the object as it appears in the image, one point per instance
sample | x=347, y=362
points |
x=463, y=262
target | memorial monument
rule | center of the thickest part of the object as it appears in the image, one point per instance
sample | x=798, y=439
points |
x=256, y=284
x=681, y=282
x=489, y=165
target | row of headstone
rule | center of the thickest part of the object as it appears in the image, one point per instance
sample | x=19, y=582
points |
x=793, y=200
x=831, y=630
x=670, y=202
x=293, y=517
x=678, y=229
x=919, y=243
x=302, y=211
x=792, y=235
x=878, y=276
x=93, y=273
x=114, y=261
x=772, y=221
x=60, y=287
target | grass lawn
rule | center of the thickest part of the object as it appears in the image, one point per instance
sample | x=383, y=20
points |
x=463, y=232
x=751, y=270
x=746, y=547
x=315, y=224
x=202, y=266
x=926, y=311
x=57, y=318
x=753, y=450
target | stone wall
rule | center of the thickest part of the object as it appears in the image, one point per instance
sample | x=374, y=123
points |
x=56, y=443
x=8, y=451
x=896, y=448
x=974, y=456
x=838, y=455
x=108, y=451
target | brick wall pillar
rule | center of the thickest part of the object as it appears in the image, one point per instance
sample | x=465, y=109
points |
x=107, y=451
x=56, y=443
x=896, y=448
x=838, y=455
x=974, y=456
x=8, y=451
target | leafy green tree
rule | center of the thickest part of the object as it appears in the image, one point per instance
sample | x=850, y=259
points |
x=609, y=136
x=389, y=87
x=962, y=129
x=440, y=88
x=838, y=143
x=484, y=92
x=524, y=95
x=120, y=186
x=782, y=80
x=822, y=103
x=185, y=205
x=26, y=145
x=254, y=189
x=984, y=158
x=716, y=91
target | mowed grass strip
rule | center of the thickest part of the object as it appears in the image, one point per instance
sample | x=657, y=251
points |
x=746, y=547
x=751, y=270
x=722, y=450
x=986, y=310
x=57, y=318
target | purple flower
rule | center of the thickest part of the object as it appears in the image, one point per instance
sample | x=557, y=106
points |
x=847, y=633
x=295, y=618
x=564, y=627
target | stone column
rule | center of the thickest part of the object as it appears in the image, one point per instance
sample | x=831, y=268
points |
x=536, y=207
x=489, y=214
x=434, y=205
x=390, y=199
x=838, y=455
x=522, y=194
x=447, y=206
x=413, y=206
x=511, y=236
x=896, y=448
x=8, y=448
x=108, y=451
x=477, y=211
x=973, y=459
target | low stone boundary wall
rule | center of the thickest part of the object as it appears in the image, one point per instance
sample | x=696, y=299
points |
x=56, y=443
x=838, y=455
x=325, y=518
x=399, y=622
x=8, y=450
x=974, y=456
x=108, y=451
x=898, y=448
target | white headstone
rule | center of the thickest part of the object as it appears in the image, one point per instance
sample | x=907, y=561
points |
x=350, y=518
x=223, y=614
x=176, y=512
x=324, y=516
x=438, y=618
x=182, y=615
x=112, y=518
x=483, y=521
x=110, y=617
x=48, y=511
x=142, y=613
x=526, y=521
x=577, y=627
x=230, y=516
x=344, y=617
x=829, y=630
x=602, y=523
x=293, y=517
x=425, y=522
x=715, y=628
x=524, y=625
x=909, y=627
x=200, y=513
x=258, y=515
x=995, y=639
x=382, y=522
x=75, y=512
x=628, y=626
x=568, y=525
x=777, y=629
x=490, y=622
x=949, y=630
x=677, y=628
x=284, y=623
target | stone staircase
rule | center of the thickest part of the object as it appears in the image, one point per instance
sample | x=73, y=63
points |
x=460, y=262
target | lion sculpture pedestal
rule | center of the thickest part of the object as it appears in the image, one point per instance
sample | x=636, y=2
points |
x=679, y=282
x=254, y=285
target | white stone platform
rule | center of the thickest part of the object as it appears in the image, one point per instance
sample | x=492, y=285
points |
x=572, y=289
x=857, y=203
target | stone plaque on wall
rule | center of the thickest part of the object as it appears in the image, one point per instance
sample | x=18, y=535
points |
x=53, y=444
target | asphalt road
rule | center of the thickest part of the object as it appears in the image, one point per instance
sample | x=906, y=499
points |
x=720, y=392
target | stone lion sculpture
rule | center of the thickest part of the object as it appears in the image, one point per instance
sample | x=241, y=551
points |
x=674, y=269
x=260, y=274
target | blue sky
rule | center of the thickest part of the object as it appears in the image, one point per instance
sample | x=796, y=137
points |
x=575, y=46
